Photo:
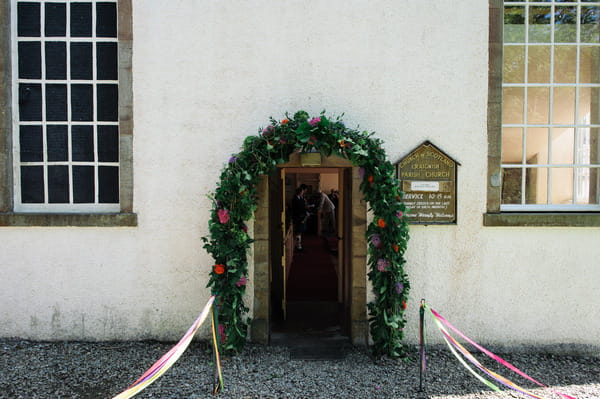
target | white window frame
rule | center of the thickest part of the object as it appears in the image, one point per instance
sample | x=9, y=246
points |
x=578, y=128
x=70, y=207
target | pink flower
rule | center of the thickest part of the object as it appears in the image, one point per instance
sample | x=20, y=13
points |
x=382, y=265
x=223, y=215
x=314, y=121
x=245, y=228
x=242, y=281
x=399, y=214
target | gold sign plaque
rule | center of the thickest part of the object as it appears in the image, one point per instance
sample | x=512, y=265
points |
x=428, y=178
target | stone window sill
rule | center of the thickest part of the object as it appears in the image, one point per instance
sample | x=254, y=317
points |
x=542, y=219
x=68, y=219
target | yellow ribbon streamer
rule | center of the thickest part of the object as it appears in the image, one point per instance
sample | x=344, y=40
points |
x=165, y=362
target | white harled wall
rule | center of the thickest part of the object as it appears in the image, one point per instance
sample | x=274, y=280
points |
x=205, y=75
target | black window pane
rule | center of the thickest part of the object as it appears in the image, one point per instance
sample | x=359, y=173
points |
x=108, y=184
x=28, y=19
x=107, y=64
x=81, y=19
x=30, y=102
x=57, y=143
x=81, y=61
x=83, y=184
x=31, y=144
x=30, y=60
x=108, y=102
x=56, y=60
x=56, y=102
x=106, y=20
x=58, y=184
x=32, y=184
x=82, y=102
x=56, y=19
x=108, y=143
x=82, y=143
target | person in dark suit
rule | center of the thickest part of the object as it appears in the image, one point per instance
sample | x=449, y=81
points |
x=299, y=214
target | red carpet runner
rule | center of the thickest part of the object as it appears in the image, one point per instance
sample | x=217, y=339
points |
x=312, y=276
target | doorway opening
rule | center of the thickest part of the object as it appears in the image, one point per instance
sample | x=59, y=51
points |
x=275, y=317
x=309, y=269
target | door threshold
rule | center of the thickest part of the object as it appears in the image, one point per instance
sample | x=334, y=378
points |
x=330, y=346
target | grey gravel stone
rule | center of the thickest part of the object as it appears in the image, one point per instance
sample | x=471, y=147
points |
x=102, y=370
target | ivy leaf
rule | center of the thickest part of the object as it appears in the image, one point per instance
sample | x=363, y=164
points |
x=358, y=150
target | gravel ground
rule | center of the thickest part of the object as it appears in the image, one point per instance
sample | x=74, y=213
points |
x=102, y=370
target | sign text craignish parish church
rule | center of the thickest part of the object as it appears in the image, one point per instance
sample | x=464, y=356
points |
x=428, y=178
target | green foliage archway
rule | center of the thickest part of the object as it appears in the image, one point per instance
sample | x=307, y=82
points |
x=235, y=199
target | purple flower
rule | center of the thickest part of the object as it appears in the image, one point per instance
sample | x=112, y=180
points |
x=399, y=288
x=268, y=130
x=376, y=241
x=232, y=159
x=382, y=265
x=314, y=121
x=242, y=281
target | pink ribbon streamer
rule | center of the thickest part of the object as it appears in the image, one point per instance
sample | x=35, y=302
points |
x=495, y=357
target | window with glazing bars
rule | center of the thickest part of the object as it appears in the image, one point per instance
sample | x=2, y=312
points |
x=65, y=106
x=551, y=106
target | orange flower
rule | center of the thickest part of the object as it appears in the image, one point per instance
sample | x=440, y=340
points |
x=219, y=269
x=403, y=305
x=396, y=248
x=381, y=223
x=371, y=179
x=342, y=143
x=286, y=120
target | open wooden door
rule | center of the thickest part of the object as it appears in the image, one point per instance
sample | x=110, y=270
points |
x=287, y=238
x=345, y=250
x=276, y=243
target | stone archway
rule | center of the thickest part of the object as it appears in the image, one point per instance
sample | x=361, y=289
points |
x=235, y=202
x=356, y=264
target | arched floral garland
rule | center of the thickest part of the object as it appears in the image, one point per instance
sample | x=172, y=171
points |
x=235, y=200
